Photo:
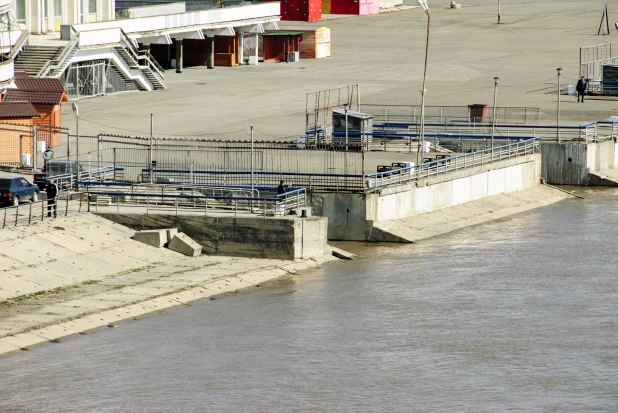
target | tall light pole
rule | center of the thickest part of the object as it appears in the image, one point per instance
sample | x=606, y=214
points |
x=499, y=15
x=252, y=168
x=421, y=138
x=493, y=118
x=76, y=113
x=559, y=70
x=150, y=150
x=345, y=109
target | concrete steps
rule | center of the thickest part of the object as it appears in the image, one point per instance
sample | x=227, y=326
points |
x=33, y=58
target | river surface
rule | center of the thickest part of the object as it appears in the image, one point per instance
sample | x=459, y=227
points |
x=517, y=315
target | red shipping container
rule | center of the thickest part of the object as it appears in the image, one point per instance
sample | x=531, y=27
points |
x=301, y=10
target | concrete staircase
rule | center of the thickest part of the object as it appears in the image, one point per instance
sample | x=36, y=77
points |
x=152, y=77
x=33, y=58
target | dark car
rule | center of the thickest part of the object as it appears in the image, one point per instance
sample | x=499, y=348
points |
x=14, y=190
x=56, y=169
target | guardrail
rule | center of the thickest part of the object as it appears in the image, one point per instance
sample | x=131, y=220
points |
x=590, y=132
x=26, y=214
x=62, y=60
x=192, y=198
x=19, y=44
x=311, y=181
x=103, y=174
x=442, y=166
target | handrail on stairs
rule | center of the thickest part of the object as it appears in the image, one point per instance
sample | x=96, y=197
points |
x=152, y=64
x=66, y=52
x=19, y=45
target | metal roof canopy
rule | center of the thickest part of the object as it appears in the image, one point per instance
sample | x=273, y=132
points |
x=282, y=33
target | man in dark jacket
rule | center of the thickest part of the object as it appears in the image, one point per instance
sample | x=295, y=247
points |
x=52, y=192
x=581, y=88
x=281, y=189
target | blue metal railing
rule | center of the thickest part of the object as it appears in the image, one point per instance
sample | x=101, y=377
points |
x=157, y=196
x=437, y=167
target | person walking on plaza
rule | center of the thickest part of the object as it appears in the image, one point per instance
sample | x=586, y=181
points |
x=52, y=192
x=581, y=88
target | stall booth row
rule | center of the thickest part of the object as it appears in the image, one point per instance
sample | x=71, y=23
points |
x=289, y=44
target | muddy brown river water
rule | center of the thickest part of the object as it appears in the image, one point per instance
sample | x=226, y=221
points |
x=518, y=315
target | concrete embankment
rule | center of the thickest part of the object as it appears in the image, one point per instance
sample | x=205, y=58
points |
x=70, y=275
x=418, y=227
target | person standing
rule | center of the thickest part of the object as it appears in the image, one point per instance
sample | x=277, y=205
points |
x=52, y=192
x=281, y=188
x=581, y=88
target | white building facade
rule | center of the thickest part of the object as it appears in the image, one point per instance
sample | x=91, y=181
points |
x=45, y=16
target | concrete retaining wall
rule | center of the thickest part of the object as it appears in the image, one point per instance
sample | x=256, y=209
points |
x=351, y=216
x=570, y=164
x=276, y=237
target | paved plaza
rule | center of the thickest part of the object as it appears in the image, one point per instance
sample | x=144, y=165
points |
x=385, y=55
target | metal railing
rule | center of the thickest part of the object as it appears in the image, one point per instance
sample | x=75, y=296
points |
x=445, y=114
x=583, y=133
x=152, y=64
x=194, y=198
x=102, y=174
x=442, y=166
x=26, y=214
x=19, y=45
x=61, y=62
x=320, y=182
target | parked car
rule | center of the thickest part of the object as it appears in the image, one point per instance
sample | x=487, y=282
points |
x=15, y=190
x=55, y=169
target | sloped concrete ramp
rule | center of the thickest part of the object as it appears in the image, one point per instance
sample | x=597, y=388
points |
x=451, y=219
x=605, y=177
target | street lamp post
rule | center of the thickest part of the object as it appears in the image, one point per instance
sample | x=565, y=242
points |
x=559, y=70
x=421, y=138
x=150, y=171
x=493, y=118
x=76, y=113
x=252, y=169
x=345, y=109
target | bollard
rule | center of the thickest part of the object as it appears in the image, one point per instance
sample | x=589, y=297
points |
x=4, y=221
x=176, y=201
x=16, y=214
x=30, y=214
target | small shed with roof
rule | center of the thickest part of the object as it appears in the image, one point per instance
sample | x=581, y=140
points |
x=281, y=46
x=314, y=41
x=46, y=94
x=13, y=141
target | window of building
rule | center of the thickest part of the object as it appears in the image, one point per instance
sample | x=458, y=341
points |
x=20, y=10
x=57, y=8
x=92, y=6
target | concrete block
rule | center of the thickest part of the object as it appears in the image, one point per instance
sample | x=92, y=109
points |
x=171, y=232
x=156, y=238
x=183, y=244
